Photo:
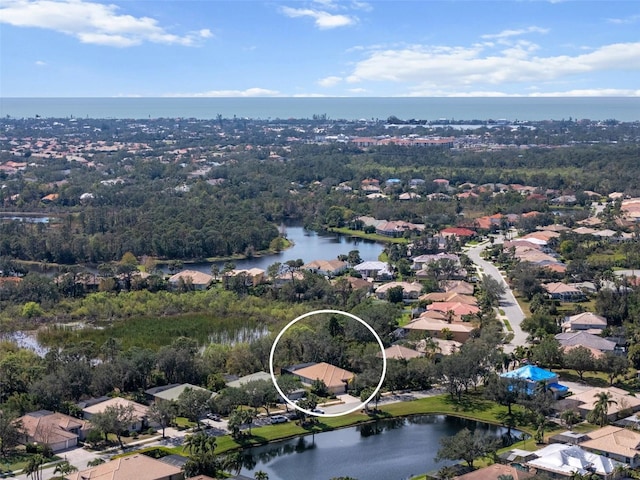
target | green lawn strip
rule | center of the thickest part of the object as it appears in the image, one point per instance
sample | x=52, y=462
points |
x=472, y=407
x=370, y=236
x=507, y=325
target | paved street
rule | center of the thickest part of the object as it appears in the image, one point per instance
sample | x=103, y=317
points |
x=508, y=303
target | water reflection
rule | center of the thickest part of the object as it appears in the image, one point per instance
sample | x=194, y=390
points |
x=388, y=449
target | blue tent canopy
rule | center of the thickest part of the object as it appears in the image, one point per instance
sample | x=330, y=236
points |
x=530, y=373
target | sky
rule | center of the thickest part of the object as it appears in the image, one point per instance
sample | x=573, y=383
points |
x=319, y=48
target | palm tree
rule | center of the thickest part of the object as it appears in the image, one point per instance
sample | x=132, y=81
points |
x=570, y=418
x=34, y=467
x=64, y=468
x=600, y=411
x=260, y=475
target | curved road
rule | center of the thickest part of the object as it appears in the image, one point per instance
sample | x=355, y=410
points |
x=508, y=303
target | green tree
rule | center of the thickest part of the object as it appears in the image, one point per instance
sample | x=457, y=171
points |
x=114, y=419
x=163, y=412
x=193, y=403
x=466, y=446
x=11, y=432
x=261, y=475
x=613, y=365
x=579, y=359
x=34, y=467
x=64, y=468
x=569, y=417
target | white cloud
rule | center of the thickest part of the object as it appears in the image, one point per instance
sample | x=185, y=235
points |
x=93, y=23
x=249, y=92
x=428, y=68
x=515, y=33
x=594, y=92
x=40, y=63
x=330, y=81
x=625, y=21
x=323, y=20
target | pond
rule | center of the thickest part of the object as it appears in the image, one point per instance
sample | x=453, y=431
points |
x=308, y=246
x=393, y=449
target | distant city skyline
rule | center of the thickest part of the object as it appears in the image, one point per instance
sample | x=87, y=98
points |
x=321, y=48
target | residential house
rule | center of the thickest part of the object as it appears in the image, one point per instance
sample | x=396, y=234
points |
x=563, y=461
x=459, y=233
x=439, y=328
x=375, y=270
x=140, y=412
x=621, y=444
x=253, y=276
x=138, y=467
x=534, y=376
x=335, y=378
x=399, y=352
x=252, y=377
x=585, y=339
x=423, y=261
x=410, y=291
x=198, y=280
x=327, y=268
x=450, y=297
x=173, y=391
x=585, y=401
x=586, y=321
x=458, y=286
x=563, y=292
x=397, y=228
x=458, y=309
x=57, y=430
x=496, y=471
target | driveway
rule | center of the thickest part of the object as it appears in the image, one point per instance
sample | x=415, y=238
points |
x=508, y=303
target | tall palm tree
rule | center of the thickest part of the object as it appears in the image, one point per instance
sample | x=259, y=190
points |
x=600, y=411
x=34, y=467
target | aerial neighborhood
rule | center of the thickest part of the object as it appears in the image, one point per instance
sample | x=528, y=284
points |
x=148, y=266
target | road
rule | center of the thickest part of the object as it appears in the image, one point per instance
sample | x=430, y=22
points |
x=508, y=303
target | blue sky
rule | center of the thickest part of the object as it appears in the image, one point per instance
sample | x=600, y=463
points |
x=218, y=48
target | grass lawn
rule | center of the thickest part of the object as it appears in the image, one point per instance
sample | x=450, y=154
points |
x=369, y=236
x=472, y=406
x=507, y=325
x=17, y=460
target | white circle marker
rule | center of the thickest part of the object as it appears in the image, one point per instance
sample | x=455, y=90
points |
x=309, y=412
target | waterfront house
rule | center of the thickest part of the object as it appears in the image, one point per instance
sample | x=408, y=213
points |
x=138, y=467
x=335, y=378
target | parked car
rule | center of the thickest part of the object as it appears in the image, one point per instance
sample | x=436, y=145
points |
x=213, y=416
x=318, y=410
x=279, y=419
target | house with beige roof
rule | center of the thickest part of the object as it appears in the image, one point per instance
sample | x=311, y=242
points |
x=585, y=401
x=497, y=471
x=130, y=467
x=410, y=291
x=621, y=444
x=399, y=352
x=458, y=331
x=199, y=280
x=57, y=430
x=327, y=268
x=587, y=321
x=140, y=412
x=563, y=292
x=335, y=378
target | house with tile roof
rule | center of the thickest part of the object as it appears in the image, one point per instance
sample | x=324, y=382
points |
x=621, y=444
x=56, y=430
x=199, y=280
x=140, y=412
x=587, y=321
x=335, y=378
x=138, y=467
x=399, y=352
x=585, y=401
x=586, y=340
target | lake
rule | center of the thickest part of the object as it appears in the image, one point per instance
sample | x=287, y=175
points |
x=308, y=246
x=393, y=449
